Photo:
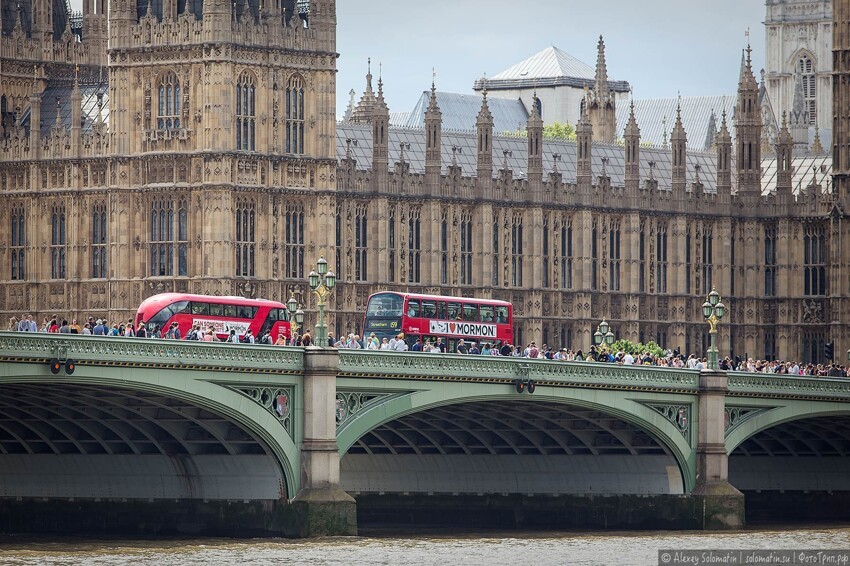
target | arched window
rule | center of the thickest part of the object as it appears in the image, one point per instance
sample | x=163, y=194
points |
x=295, y=116
x=18, y=246
x=57, y=242
x=807, y=76
x=169, y=231
x=245, y=112
x=168, y=102
x=294, y=229
x=245, y=237
x=98, y=257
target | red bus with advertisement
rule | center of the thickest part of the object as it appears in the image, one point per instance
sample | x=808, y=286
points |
x=223, y=314
x=389, y=313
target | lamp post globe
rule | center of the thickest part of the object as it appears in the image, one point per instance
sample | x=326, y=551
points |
x=713, y=297
x=330, y=280
x=299, y=317
x=707, y=309
x=720, y=310
x=313, y=279
x=609, y=338
x=603, y=327
x=322, y=266
x=292, y=304
x=597, y=338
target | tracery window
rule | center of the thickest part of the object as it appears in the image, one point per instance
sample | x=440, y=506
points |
x=339, y=248
x=444, y=249
x=706, y=267
x=769, y=261
x=814, y=260
x=567, y=254
x=361, y=242
x=391, y=243
x=614, y=257
x=58, y=242
x=516, y=251
x=245, y=112
x=688, y=265
x=98, y=230
x=661, y=260
x=546, y=258
x=168, y=102
x=496, y=255
x=169, y=238
x=415, y=244
x=294, y=241
x=245, y=238
x=594, y=259
x=295, y=116
x=807, y=75
x=18, y=247
x=466, y=249
x=642, y=263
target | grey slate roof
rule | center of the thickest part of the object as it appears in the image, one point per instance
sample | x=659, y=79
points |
x=518, y=160
x=550, y=67
x=460, y=111
x=62, y=93
x=696, y=112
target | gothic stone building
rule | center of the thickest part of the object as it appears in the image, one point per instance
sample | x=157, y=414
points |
x=200, y=153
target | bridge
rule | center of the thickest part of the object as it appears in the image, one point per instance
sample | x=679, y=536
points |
x=192, y=437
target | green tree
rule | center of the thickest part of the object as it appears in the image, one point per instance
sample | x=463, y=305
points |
x=556, y=131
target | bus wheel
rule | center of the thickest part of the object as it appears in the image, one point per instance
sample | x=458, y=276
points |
x=520, y=386
x=531, y=386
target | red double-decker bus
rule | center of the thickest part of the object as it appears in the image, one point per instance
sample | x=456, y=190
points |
x=430, y=316
x=222, y=314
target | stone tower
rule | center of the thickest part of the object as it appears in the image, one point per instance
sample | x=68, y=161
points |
x=748, y=133
x=600, y=102
x=841, y=101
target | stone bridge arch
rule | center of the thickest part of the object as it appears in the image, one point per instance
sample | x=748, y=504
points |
x=651, y=414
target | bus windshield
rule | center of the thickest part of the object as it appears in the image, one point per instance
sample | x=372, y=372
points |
x=385, y=305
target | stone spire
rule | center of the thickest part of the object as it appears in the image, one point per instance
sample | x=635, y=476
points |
x=363, y=111
x=535, y=148
x=712, y=131
x=631, y=137
x=380, y=140
x=679, y=143
x=35, y=110
x=784, y=152
x=748, y=133
x=799, y=119
x=433, y=145
x=584, y=148
x=817, y=146
x=484, y=129
x=724, y=157
x=600, y=102
x=76, y=109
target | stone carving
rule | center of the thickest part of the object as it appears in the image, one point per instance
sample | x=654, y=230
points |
x=812, y=312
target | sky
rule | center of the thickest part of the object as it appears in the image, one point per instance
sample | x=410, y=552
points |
x=662, y=47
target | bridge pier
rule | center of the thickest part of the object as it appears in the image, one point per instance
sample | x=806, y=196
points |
x=723, y=504
x=321, y=507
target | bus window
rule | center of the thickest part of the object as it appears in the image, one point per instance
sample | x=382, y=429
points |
x=486, y=313
x=180, y=307
x=413, y=308
x=273, y=315
x=454, y=311
x=470, y=312
x=200, y=308
x=384, y=304
x=502, y=314
x=441, y=310
x=216, y=309
x=230, y=311
x=429, y=309
x=245, y=312
x=283, y=314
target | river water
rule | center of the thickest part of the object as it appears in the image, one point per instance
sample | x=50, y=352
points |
x=514, y=549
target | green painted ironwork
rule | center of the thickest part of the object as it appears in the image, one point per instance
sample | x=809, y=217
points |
x=349, y=403
x=678, y=414
x=277, y=401
x=736, y=415
x=761, y=385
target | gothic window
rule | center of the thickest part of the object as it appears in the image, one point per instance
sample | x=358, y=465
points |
x=661, y=260
x=98, y=254
x=294, y=241
x=769, y=261
x=18, y=247
x=546, y=259
x=567, y=254
x=732, y=262
x=245, y=112
x=168, y=102
x=169, y=234
x=415, y=245
x=688, y=266
x=245, y=237
x=496, y=254
x=814, y=260
x=466, y=249
x=614, y=258
x=339, y=248
x=642, y=263
x=391, y=246
x=58, y=242
x=594, y=259
x=706, y=264
x=807, y=75
x=295, y=116
x=769, y=346
x=812, y=347
x=516, y=251
x=361, y=243
x=444, y=249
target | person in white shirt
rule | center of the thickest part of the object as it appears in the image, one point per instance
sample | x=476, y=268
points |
x=400, y=345
x=628, y=359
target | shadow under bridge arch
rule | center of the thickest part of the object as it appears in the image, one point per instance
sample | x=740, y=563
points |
x=558, y=441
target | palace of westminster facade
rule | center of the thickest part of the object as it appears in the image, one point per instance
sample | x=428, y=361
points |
x=192, y=146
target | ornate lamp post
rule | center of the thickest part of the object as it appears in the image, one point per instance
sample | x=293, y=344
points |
x=713, y=310
x=603, y=334
x=296, y=314
x=322, y=283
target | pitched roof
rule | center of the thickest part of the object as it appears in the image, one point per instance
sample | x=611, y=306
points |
x=696, y=115
x=56, y=99
x=460, y=111
x=550, y=67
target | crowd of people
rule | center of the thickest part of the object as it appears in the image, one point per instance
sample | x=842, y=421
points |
x=431, y=345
